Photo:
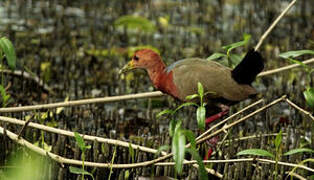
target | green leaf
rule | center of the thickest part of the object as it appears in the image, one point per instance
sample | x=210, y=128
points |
x=178, y=150
x=5, y=100
x=278, y=140
x=172, y=126
x=228, y=48
x=2, y=91
x=200, y=89
x=235, y=59
x=131, y=153
x=7, y=47
x=79, y=141
x=200, y=116
x=298, y=62
x=46, y=146
x=256, y=152
x=76, y=170
x=126, y=174
x=191, y=96
x=191, y=137
x=183, y=105
x=216, y=56
x=135, y=22
x=309, y=97
x=299, y=150
x=161, y=148
x=166, y=111
x=293, y=54
x=201, y=170
x=177, y=126
x=5, y=97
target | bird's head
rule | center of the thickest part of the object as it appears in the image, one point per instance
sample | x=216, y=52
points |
x=144, y=59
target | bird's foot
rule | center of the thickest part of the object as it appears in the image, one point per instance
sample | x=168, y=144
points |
x=213, y=141
x=212, y=144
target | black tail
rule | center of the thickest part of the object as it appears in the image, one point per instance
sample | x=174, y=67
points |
x=246, y=71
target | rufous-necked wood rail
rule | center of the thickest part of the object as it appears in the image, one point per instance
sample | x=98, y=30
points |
x=180, y=79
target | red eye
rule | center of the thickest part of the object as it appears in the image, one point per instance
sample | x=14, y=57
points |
x=136, y=58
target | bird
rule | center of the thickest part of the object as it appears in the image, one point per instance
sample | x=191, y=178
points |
x=226, y=86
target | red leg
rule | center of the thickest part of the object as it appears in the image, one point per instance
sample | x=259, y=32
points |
x=215, y=117
x=213, y=141
x=209, y=153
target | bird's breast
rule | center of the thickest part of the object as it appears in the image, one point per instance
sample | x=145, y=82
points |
x=166, y=84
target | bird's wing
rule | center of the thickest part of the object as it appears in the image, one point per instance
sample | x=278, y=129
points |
x=215, y=78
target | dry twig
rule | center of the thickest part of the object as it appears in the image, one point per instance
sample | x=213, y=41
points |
x=277, y=70
x=271, y=27
x=85, y=137
x=63, y=160
x=251, y=137
x=241, y=160
x=230, y=117
x=82, y=102
x=93, y=138
x=299, y=108
x=27, y=75
x=200, y=140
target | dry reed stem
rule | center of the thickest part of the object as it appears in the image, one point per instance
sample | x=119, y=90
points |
x=82, y=102
x=230, y=117
x=294, y=175
x=69, y=161
x=241, y=160
x=85, y=137
x=271, y=27
x=27, y=75
x=251, y=137
x=299, y=108
x=241, y=119
x=92, y=138
x=63, y=160
x=284, y=68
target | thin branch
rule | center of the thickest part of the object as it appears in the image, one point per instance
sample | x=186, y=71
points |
x=294, y=175
x=273, y=71
x=241, y=160
x=85, y=137
x=266, y=33
x=83, y=102
x=286, y=164
x=241, y=120
x=23, y=128
x=27, y=75
x=93, y=138
x=300, y=109
x=63, y=160
x=250, y=137
x=146, y=163
x=230, y=117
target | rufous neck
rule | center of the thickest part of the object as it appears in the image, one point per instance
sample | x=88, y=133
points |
x=156, y=72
